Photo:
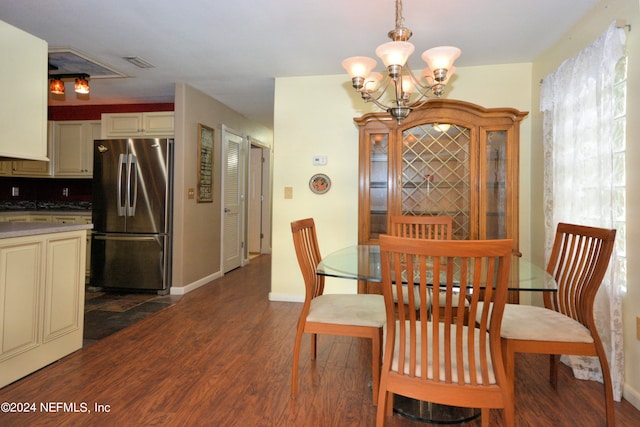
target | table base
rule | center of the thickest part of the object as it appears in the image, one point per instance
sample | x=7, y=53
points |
x=432, y=412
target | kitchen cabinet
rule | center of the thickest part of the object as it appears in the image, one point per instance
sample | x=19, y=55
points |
x=73, y=148
x=15, y=218
x=39, y=218
x=77, y=219
x=23, y=110
x=32, y=168
x=448, y=157
x=41, y=300
x=126, y=125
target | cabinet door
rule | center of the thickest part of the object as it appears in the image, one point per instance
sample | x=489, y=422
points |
x=20, y=293
x=64, y=286
x=73, y=146
x=39, y=218
x=158, y=124
x=5, y=167
x=36, y=167
x=121, y=125
x=16, y=218
x=23, y=112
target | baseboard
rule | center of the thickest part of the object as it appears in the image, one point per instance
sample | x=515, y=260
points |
x=631, y=395
x=181, y=290
x=285, y=297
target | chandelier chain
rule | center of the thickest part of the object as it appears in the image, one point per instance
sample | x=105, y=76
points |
x=399, y=18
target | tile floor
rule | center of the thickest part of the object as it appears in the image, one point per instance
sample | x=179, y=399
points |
x=109, y=312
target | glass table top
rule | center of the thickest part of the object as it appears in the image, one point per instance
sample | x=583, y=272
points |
x=362, y=262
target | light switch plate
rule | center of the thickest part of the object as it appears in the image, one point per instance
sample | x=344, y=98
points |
x=288, y=192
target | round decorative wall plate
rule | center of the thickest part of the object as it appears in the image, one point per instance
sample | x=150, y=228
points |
x=319, y=183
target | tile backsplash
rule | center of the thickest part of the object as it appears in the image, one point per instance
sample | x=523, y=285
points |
x=44, y=193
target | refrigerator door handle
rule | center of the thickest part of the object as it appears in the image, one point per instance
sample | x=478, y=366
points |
x=132, y=188
x=121, y=202
x=124, y=238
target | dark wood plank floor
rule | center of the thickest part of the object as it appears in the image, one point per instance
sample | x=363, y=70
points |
x=221, y=356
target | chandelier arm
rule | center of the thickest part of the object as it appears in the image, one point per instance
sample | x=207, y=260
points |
x=376, y=99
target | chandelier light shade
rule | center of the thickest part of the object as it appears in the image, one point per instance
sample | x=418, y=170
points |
x=404, y=90
x=56, y=86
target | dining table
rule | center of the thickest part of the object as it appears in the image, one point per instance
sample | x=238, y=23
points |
x=362, y=262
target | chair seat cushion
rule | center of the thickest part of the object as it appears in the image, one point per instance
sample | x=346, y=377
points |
x=416, y=294
x=348, y=309
x=532, y=323
x=454, y=358
x=455, y=299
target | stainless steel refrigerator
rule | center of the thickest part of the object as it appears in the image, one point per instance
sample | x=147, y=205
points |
x=132, y=214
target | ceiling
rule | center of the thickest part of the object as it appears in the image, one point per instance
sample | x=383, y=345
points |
x=234, y=50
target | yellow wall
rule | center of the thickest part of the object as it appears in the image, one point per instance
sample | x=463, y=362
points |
x=580, y=36
x=197, y=240
x=314, y=115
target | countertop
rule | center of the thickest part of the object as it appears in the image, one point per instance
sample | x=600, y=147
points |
x=19, y=229
x=71, y=212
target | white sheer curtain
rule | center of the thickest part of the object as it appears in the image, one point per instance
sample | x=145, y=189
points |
x=583, y=103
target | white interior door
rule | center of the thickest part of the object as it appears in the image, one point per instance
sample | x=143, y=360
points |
x=233, y=201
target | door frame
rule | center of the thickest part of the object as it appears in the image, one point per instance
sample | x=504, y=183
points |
x=265, y=210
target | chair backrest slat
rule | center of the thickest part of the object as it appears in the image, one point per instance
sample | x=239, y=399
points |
x=307, y=249
x=578, y=262
x=422, y=227
x=445, y=350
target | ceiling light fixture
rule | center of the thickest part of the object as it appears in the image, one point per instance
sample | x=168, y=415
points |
x=82, y=85
x=56, y=85
x=400, y=80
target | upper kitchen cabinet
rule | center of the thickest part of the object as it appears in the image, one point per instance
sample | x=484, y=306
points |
x=126, y=125
x=447, y=158
x=73, y=145
x=35, y=168
x=23, y=110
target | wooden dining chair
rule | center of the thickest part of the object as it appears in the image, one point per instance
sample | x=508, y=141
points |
x=442, y=360
x=426, y=227
x=566, y=325
x=355, y=315
x=422, y=227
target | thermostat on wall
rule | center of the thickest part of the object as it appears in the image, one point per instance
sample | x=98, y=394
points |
x=319, y=160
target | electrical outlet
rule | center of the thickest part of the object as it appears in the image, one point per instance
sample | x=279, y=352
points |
x=65, y=191
x=15, y=191
x=288, y=192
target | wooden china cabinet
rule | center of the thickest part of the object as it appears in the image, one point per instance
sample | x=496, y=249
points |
x=448, y=157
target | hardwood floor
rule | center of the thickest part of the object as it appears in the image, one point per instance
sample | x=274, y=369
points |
x=221, y=356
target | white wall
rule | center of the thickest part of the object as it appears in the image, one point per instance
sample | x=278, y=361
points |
x=314, y=115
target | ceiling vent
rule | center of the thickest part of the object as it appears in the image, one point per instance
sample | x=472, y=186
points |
x=138, y=62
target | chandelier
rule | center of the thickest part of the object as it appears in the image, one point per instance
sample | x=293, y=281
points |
x=405, y=90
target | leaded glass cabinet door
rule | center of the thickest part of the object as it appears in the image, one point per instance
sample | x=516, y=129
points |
x=436, y=174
